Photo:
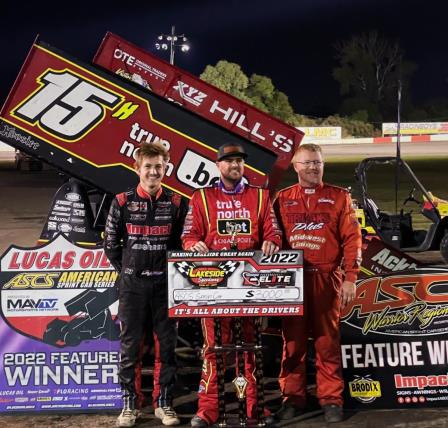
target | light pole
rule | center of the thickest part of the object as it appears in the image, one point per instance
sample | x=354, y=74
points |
x=171, y=42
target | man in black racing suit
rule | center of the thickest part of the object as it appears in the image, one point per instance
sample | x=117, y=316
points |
x=142, y=225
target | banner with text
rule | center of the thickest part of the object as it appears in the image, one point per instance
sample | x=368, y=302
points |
x=416, y=128
x=58, y=329
x=394, y=341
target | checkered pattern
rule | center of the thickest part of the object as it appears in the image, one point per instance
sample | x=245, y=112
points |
x=184, y=267
x=229, y=267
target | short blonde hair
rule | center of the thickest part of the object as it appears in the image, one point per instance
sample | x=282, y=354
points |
x=310, y=147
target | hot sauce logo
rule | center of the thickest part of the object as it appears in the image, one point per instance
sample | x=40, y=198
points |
x=404, y=304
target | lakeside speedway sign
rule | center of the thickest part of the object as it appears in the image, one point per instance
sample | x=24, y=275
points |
x=58, y=329
x=394, y=347
x=235, y=283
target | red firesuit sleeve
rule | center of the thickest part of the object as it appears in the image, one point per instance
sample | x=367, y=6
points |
x=268, y=222
x=351, y=240
x=196, y=222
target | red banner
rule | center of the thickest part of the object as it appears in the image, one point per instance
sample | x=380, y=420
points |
x=126, y=59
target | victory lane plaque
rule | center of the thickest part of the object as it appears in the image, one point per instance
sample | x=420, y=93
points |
x=235, y=284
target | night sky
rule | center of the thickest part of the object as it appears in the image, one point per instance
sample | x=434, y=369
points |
x=290, y=41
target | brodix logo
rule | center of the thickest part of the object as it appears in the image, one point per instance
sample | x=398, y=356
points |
x=365, y=389
x=402, y=304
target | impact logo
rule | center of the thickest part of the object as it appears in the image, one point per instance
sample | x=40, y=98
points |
x=266, y=279
x=415, y=304
x=190, y=94
x=20, y=305
x=206, y=276
x=365, y=389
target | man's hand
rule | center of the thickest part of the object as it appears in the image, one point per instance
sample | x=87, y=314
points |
x=199, y=247
x=348, y=292
x=269, y=248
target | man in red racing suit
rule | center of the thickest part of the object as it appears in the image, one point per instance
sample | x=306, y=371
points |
x=206, y=228
x=319, y=219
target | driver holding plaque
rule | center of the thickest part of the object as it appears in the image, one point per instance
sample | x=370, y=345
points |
x=230, y=214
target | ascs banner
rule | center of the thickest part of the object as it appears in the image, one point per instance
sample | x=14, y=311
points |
x=58, y=329
x=394, y=341
x=177, y=85
x=88, y=123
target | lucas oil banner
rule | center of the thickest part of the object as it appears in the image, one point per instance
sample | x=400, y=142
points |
x=88, y=123
x=180, y=87
x=235, y=284
x=394, y=341
x=58, y=329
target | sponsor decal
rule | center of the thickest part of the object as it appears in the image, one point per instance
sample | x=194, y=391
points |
x=67, y=203
x=78, y=212
x=410, y=305
x=78, y=204
x=73, y=197
x=238, y=226
x=52, y=225
x=135, y=206
x=76, y=220
x=64, y=227
x=61, y=208
x=197, y=171
x=138, y=217
x=56, y=218
x=386, y=259
x=189, y=93
x=364, y=389
x=206, y=276
x=307, y=226
x=145, y=230
x=420, y=382
x=325, y=201
x=266, y=279
x=24, y=305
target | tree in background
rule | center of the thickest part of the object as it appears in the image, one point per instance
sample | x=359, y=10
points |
x=258, y=91
x=369, y=69
x=229, y=77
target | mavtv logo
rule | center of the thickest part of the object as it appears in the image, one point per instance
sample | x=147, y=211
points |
x=31, y=304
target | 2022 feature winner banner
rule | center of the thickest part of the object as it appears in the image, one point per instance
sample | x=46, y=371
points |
x=58, y=329
x=88, y=122
x=394, y=341
x=235, y=284
x=126, y=59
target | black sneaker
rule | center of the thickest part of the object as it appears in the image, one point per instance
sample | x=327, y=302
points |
x=197, y=422
x=333, y=413
x=269, y=420
x=288, y=411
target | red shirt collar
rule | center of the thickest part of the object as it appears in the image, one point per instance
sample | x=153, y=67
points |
x=145, y=195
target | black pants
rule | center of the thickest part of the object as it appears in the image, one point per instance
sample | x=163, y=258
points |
x=143, y=303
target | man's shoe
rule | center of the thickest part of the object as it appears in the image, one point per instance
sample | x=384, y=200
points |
x=333, y=413
x=288, y=411
x=167, y=415
x=198, y=422
x=269, y=420
x=127, y=418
